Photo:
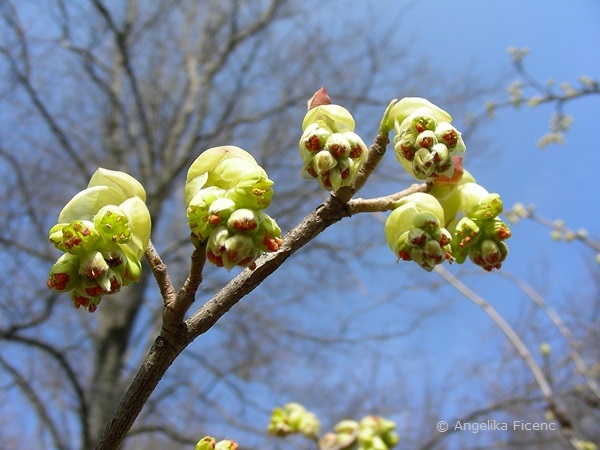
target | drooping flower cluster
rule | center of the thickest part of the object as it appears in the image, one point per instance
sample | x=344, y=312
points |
x=472, y=217
x=293, y=418
x=480, y=234
x=103, y=231
x=330, y=149
x=424, y=140
x=415, y=231
x=225, y=193
x=210, y=443
x=371, y=433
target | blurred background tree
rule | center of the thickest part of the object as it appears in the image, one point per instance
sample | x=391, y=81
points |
x=144, y=87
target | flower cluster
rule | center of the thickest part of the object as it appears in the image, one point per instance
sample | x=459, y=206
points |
x=210, y=443
x=456, y=219
x=330, y=149
x=371, y=433
x=424, y=139
x=293, y=418
x=472, y=219
x=415, y=231
x=225, y=193
x=103, y=231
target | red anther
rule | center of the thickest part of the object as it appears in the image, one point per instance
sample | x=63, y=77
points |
x=451, y=138
x=336, y=150
x=72, y=242
x=80, y=300
x=420, y=127
x=327, y=182
x=503, y=233
x=272, y=244
x=448, y=256
x=113, y=261
x=216, y=260
x=58, y=281
x=419, y=240
x=244, y=225
x=444, y=240
x=345, y=173
x=214, y=220
x=356, y=152
x=312, y=172
x=93, y=307
x=403, y=254
x=114, y=285
x=407, y=151
x=313, y=143
x=94, y=291
x=426, y=142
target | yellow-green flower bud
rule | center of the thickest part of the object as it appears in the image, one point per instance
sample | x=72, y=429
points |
x=112, y=224
x=324, y=161
x=479, y=235
x=76, y=237
x=64, y=275
x=448, y=135
x=331, y=152
x=414, y=231
x=377, y=433
x=206, y=443
x=294, y=418
x=243, y=220
x=104, y=231
x=93, y=265
x=424, y=140
x=226, y=444
x=313, y=138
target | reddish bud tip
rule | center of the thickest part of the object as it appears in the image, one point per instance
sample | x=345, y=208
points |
x=319, y=98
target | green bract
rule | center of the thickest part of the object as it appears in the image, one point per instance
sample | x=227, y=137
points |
x=235, y=171
x=225, y=192
x=331, y=152
x=415, y=231
x=104, y=231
